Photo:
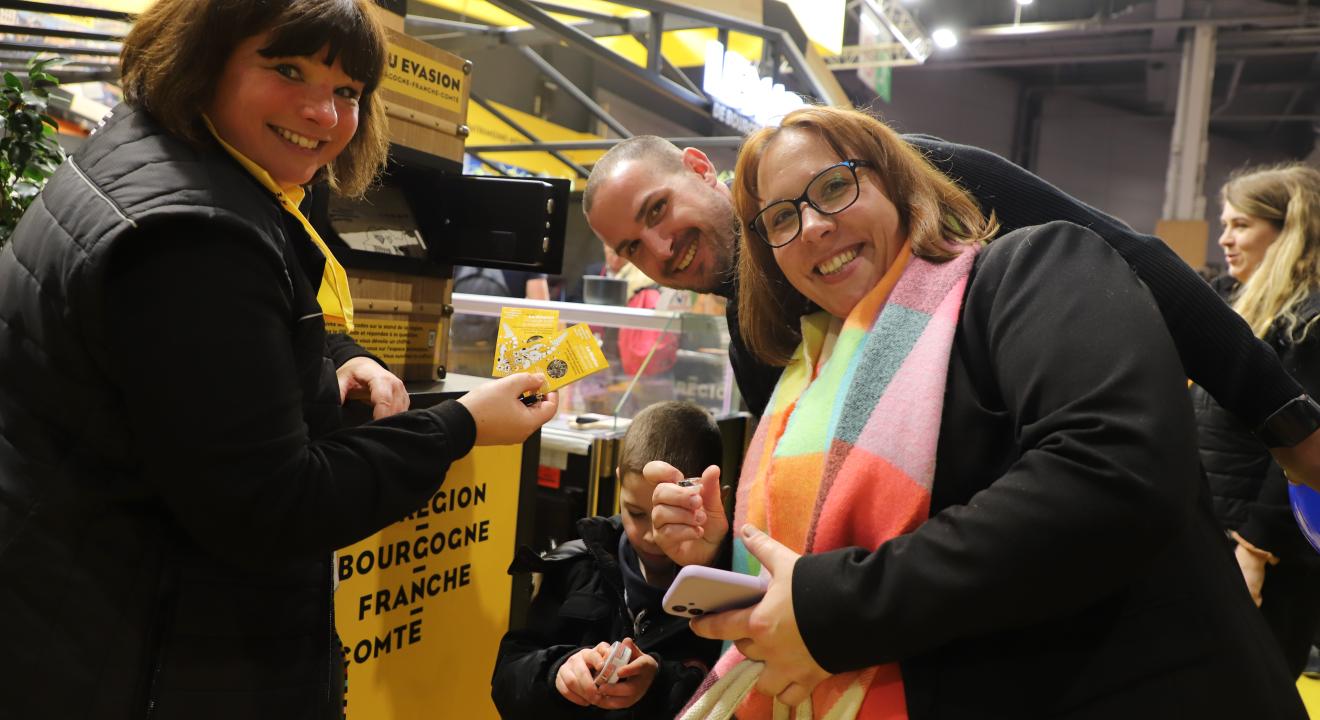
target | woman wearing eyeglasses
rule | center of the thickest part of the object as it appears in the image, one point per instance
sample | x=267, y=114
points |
x=976, y=487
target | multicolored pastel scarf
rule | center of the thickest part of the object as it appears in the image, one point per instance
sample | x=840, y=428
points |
x=845, y=456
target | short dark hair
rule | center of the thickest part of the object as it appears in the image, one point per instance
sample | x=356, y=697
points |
x=662, y=154
x=176, y=51
x=680, y=433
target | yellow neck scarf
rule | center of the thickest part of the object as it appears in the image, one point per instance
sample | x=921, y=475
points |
x=333, y=297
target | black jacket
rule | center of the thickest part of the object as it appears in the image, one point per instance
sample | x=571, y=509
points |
x=1249, y=489
x=1071, y=567
x=1216, y=347
x=580, y=604
x=173, y=478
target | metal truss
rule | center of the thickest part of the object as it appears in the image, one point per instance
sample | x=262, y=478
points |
x=911, y=45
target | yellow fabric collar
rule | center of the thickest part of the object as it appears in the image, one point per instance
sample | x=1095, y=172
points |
x=333, y=296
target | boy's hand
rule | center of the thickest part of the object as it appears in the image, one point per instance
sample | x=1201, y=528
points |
x=635, y=679
x=576, y=677
x=688, y=523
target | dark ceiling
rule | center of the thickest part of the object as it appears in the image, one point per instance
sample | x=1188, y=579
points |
x=1128, y=54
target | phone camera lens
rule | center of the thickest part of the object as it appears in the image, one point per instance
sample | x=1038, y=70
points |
x=696, y=611
x=680, y=608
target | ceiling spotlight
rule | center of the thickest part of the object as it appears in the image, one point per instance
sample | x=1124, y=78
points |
x=1025, y=2
x=944, y=38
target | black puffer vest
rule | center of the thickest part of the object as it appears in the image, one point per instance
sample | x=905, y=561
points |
x=1235, y=461
x=109, y=609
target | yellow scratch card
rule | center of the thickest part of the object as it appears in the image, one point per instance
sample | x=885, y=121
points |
x=574, y=354
x=523, y=339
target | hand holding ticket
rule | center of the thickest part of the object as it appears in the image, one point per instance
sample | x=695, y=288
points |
x=528, y=341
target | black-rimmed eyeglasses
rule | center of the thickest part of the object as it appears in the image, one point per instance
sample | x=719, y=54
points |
x=833, y=190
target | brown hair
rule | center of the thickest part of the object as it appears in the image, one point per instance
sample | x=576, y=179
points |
x=177, y=50
x=679, y=433
x=933, y=211
x=1288, y=197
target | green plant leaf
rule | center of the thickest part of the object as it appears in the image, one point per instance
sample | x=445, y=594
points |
x=11, y=80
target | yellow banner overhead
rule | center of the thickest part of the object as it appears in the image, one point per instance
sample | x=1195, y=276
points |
x=423, y=78
x=683, y=48
x=125, y=6
x=486, y=129
x=822, y=21
x=484, y=12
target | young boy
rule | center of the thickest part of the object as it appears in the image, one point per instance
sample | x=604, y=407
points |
x=607, y=587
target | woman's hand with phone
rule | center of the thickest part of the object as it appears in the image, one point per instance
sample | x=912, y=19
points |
x=768, y=631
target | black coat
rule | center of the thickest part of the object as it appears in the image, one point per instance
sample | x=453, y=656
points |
x=173, y=476
x=1250, y=494
x=1071, y=567
x=1248, y=488
x=580, y=604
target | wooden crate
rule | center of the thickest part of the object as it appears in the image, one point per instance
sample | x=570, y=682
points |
x=425, y=90
x=1188, y=238
x=401, y=319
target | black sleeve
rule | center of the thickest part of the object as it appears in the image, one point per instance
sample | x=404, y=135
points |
x=674, y=685
x=523, y=684
x=200, y=343
x=1216, y=346
x=341, y=348
x=1105, y=474
x=1270, y=524
x=756, y=380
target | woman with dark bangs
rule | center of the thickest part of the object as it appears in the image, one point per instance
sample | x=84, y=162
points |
x=174, y=475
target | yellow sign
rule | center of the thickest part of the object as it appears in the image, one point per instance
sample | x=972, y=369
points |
x=422, y=605
x=397, y=342
x=423, y=78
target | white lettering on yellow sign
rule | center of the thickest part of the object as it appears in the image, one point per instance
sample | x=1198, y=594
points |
x=423, y=78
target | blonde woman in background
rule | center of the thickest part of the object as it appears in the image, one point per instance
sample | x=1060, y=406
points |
x=1271, y=241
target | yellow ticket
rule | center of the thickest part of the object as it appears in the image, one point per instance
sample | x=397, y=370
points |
x=574, y=354
x=523, y=339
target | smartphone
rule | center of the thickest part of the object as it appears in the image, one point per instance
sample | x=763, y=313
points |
x=618, y=657
x=698, y=590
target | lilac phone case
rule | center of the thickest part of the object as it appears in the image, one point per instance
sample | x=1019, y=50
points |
x=698, y=590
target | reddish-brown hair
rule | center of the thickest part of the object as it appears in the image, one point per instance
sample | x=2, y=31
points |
x=933, y=211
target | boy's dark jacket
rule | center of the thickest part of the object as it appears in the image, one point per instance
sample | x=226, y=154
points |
x=580, y=604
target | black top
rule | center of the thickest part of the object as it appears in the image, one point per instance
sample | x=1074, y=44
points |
x=174, y=470
x=591, y=592
x=1249, y=489
x=1070, y=567
x=1215, y=345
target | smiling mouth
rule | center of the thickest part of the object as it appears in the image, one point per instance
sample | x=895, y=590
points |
x=836, y=263
x=686, y=259
x=294, y=138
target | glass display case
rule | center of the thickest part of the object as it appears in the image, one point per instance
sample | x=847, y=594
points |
x=653, y=355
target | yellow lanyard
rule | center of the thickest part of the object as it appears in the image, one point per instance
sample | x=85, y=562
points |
x=333, y=297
